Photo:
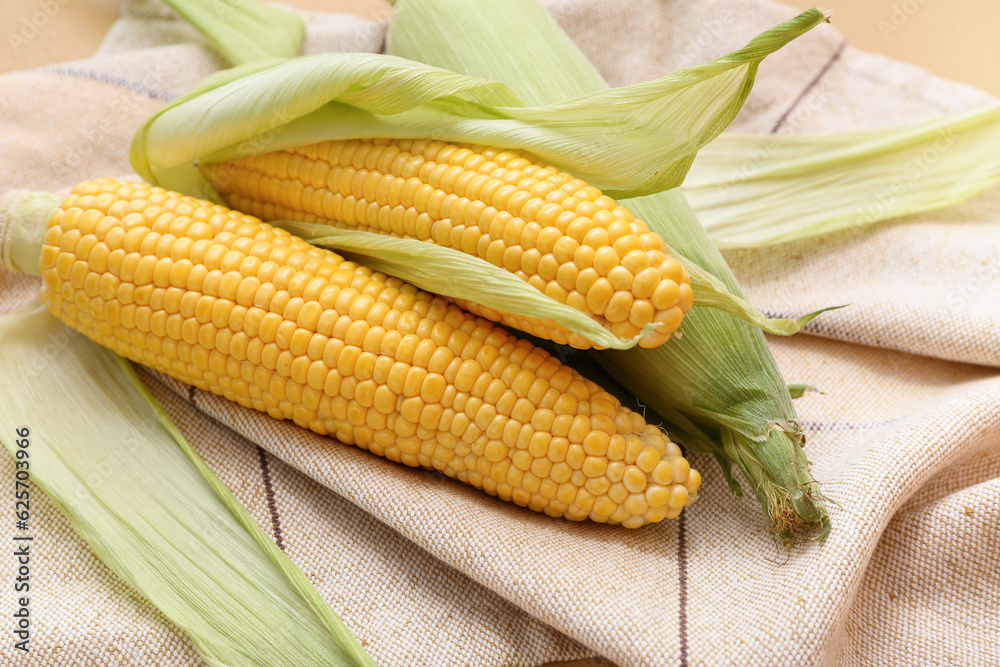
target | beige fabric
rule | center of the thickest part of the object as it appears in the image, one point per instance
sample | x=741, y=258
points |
x=425, y=571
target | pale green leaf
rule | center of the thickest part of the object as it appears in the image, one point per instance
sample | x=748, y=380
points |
x=642, y=140
x=24, y=217
x=110, y=459
x=244, y=30
x=458, y=275
x=800, y=390
x=758, y=190
x=454, y=274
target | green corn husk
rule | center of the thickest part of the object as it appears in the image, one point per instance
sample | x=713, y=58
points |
x=243, y=31
x=800, y=390
x=754, y=190
x=643, y=141
x=456, y=275
x=631, y=149
x=719, y=378
x=149, y=507
x=748, y=190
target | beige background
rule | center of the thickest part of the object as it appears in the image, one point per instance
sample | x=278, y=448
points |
x=955, y=39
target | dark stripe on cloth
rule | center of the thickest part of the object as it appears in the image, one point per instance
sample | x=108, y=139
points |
x=108, y=79
x=812, y=84
x=682, y=581
x=265, y=471
x=841, y=426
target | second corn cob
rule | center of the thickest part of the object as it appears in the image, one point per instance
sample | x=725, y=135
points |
x=234, y=306
x=562, y=236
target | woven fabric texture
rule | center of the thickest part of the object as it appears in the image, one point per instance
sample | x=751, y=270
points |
x=425, y=571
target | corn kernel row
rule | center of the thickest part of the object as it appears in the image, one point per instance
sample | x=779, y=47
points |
x=234, y=306
x=555, y=232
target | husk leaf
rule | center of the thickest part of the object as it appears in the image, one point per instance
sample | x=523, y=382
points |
x=458, y=275
x=643, y=140
x=149, y=507
x=454, y=274
x=244, y=30
x=753, y=190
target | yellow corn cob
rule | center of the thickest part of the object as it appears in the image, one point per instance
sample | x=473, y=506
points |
x=229, y=304
x=563, y=237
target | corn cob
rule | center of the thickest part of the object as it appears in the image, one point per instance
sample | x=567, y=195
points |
x=231, y=305
x=555, y=232
x=721, y=377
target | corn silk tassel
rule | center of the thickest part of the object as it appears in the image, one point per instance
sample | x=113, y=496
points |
x=717, y=387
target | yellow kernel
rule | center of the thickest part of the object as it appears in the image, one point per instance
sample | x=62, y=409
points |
x=619, y=306
x=433, y=387
x=657, y=496
x=496, y=451
x=468, y=373
x=636, y=261
x=414, y=381
x=594, y=466
x=604, y=507
x=618, y=492
x=597, y=238
x=561, y=425
x=637, y=506
x=601, y=421
x=522, y=460
x=619, y=229
x=538, y=444
x=557, y=450
x=543, y=419
x=541, y=467
x=687, y=297
x=693, y=482
x=645, y=282
x=560, y=474
x=522, y=410
x=548, y=267
x=565, y=249
x=599, y=295
x=641, y=314
x=648, y=460
x=410, y=408
x=634, y=479
x=681, y=468
x=678, y=496
x=143, y=270
x=605, y=259
x=598, y=485
x=668, y=320
x=616, y=471
x=666, y=295
x=620, y=278
x=586, y=278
